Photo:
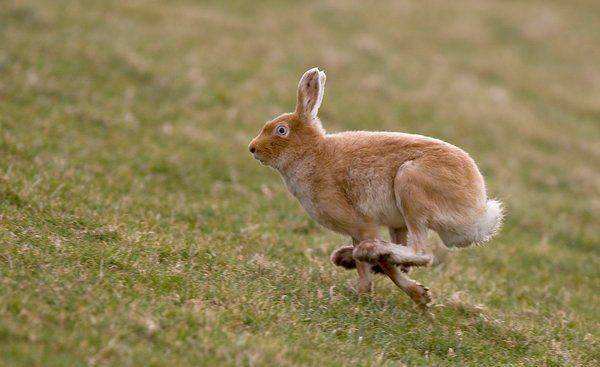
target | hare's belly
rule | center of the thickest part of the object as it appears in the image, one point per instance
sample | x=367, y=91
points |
x=376, y=200
x=324, y=213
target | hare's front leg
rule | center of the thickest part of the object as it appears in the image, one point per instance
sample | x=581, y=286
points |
x=416, y=291
x=365, y=278
x=343, y=257
x=386, y=256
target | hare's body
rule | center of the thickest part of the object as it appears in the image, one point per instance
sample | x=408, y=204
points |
x=355, y=182
x=373, y=178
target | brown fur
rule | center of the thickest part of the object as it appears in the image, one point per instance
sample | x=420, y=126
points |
x=373, y=251
x=354, y=182
x=344, y=257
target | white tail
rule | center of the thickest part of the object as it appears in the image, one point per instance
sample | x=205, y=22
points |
x=479, y=232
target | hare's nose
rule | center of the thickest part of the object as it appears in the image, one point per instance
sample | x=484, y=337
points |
x=252, y=149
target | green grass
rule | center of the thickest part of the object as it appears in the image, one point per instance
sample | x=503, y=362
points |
x=135, y=228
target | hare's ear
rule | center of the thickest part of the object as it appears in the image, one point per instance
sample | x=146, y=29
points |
x=310, y=93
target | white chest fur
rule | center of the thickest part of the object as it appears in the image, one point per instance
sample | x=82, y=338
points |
x=298, y=185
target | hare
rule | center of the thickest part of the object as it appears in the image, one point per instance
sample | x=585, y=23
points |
x=357, y=181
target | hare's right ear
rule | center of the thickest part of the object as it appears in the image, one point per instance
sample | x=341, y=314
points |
x=310, y=93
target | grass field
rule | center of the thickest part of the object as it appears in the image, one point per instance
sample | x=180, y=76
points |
x=135, y=228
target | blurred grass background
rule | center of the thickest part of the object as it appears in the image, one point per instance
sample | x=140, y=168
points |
x=135, y=228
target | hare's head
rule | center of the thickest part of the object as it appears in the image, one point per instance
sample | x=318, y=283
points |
x=289, y=136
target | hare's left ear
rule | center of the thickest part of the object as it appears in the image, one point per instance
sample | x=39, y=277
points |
x=310, y=93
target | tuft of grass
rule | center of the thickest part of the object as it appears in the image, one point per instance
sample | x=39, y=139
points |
x=136, y=230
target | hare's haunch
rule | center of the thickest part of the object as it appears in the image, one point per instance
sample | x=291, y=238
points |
x=357, y=181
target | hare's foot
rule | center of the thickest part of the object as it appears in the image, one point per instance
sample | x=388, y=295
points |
x=416, y=291
x=420, y=295
x=373, y=251
x=343, y=257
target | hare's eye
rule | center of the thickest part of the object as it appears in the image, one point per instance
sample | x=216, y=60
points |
x=281, y=130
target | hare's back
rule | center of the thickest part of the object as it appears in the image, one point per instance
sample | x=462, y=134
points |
x=366, y=164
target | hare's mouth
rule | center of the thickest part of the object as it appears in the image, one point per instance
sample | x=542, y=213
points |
x=258, y=159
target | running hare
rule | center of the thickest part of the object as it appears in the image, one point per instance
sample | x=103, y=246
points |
x=354, y=182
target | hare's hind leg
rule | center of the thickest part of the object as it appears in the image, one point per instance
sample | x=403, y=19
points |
x=410, y=186
x=399, y=236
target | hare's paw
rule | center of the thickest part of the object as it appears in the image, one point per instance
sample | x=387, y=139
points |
x=371, y=251
x=375, y=250
x=420, y=295
x=343, y=257
x=405, y=257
